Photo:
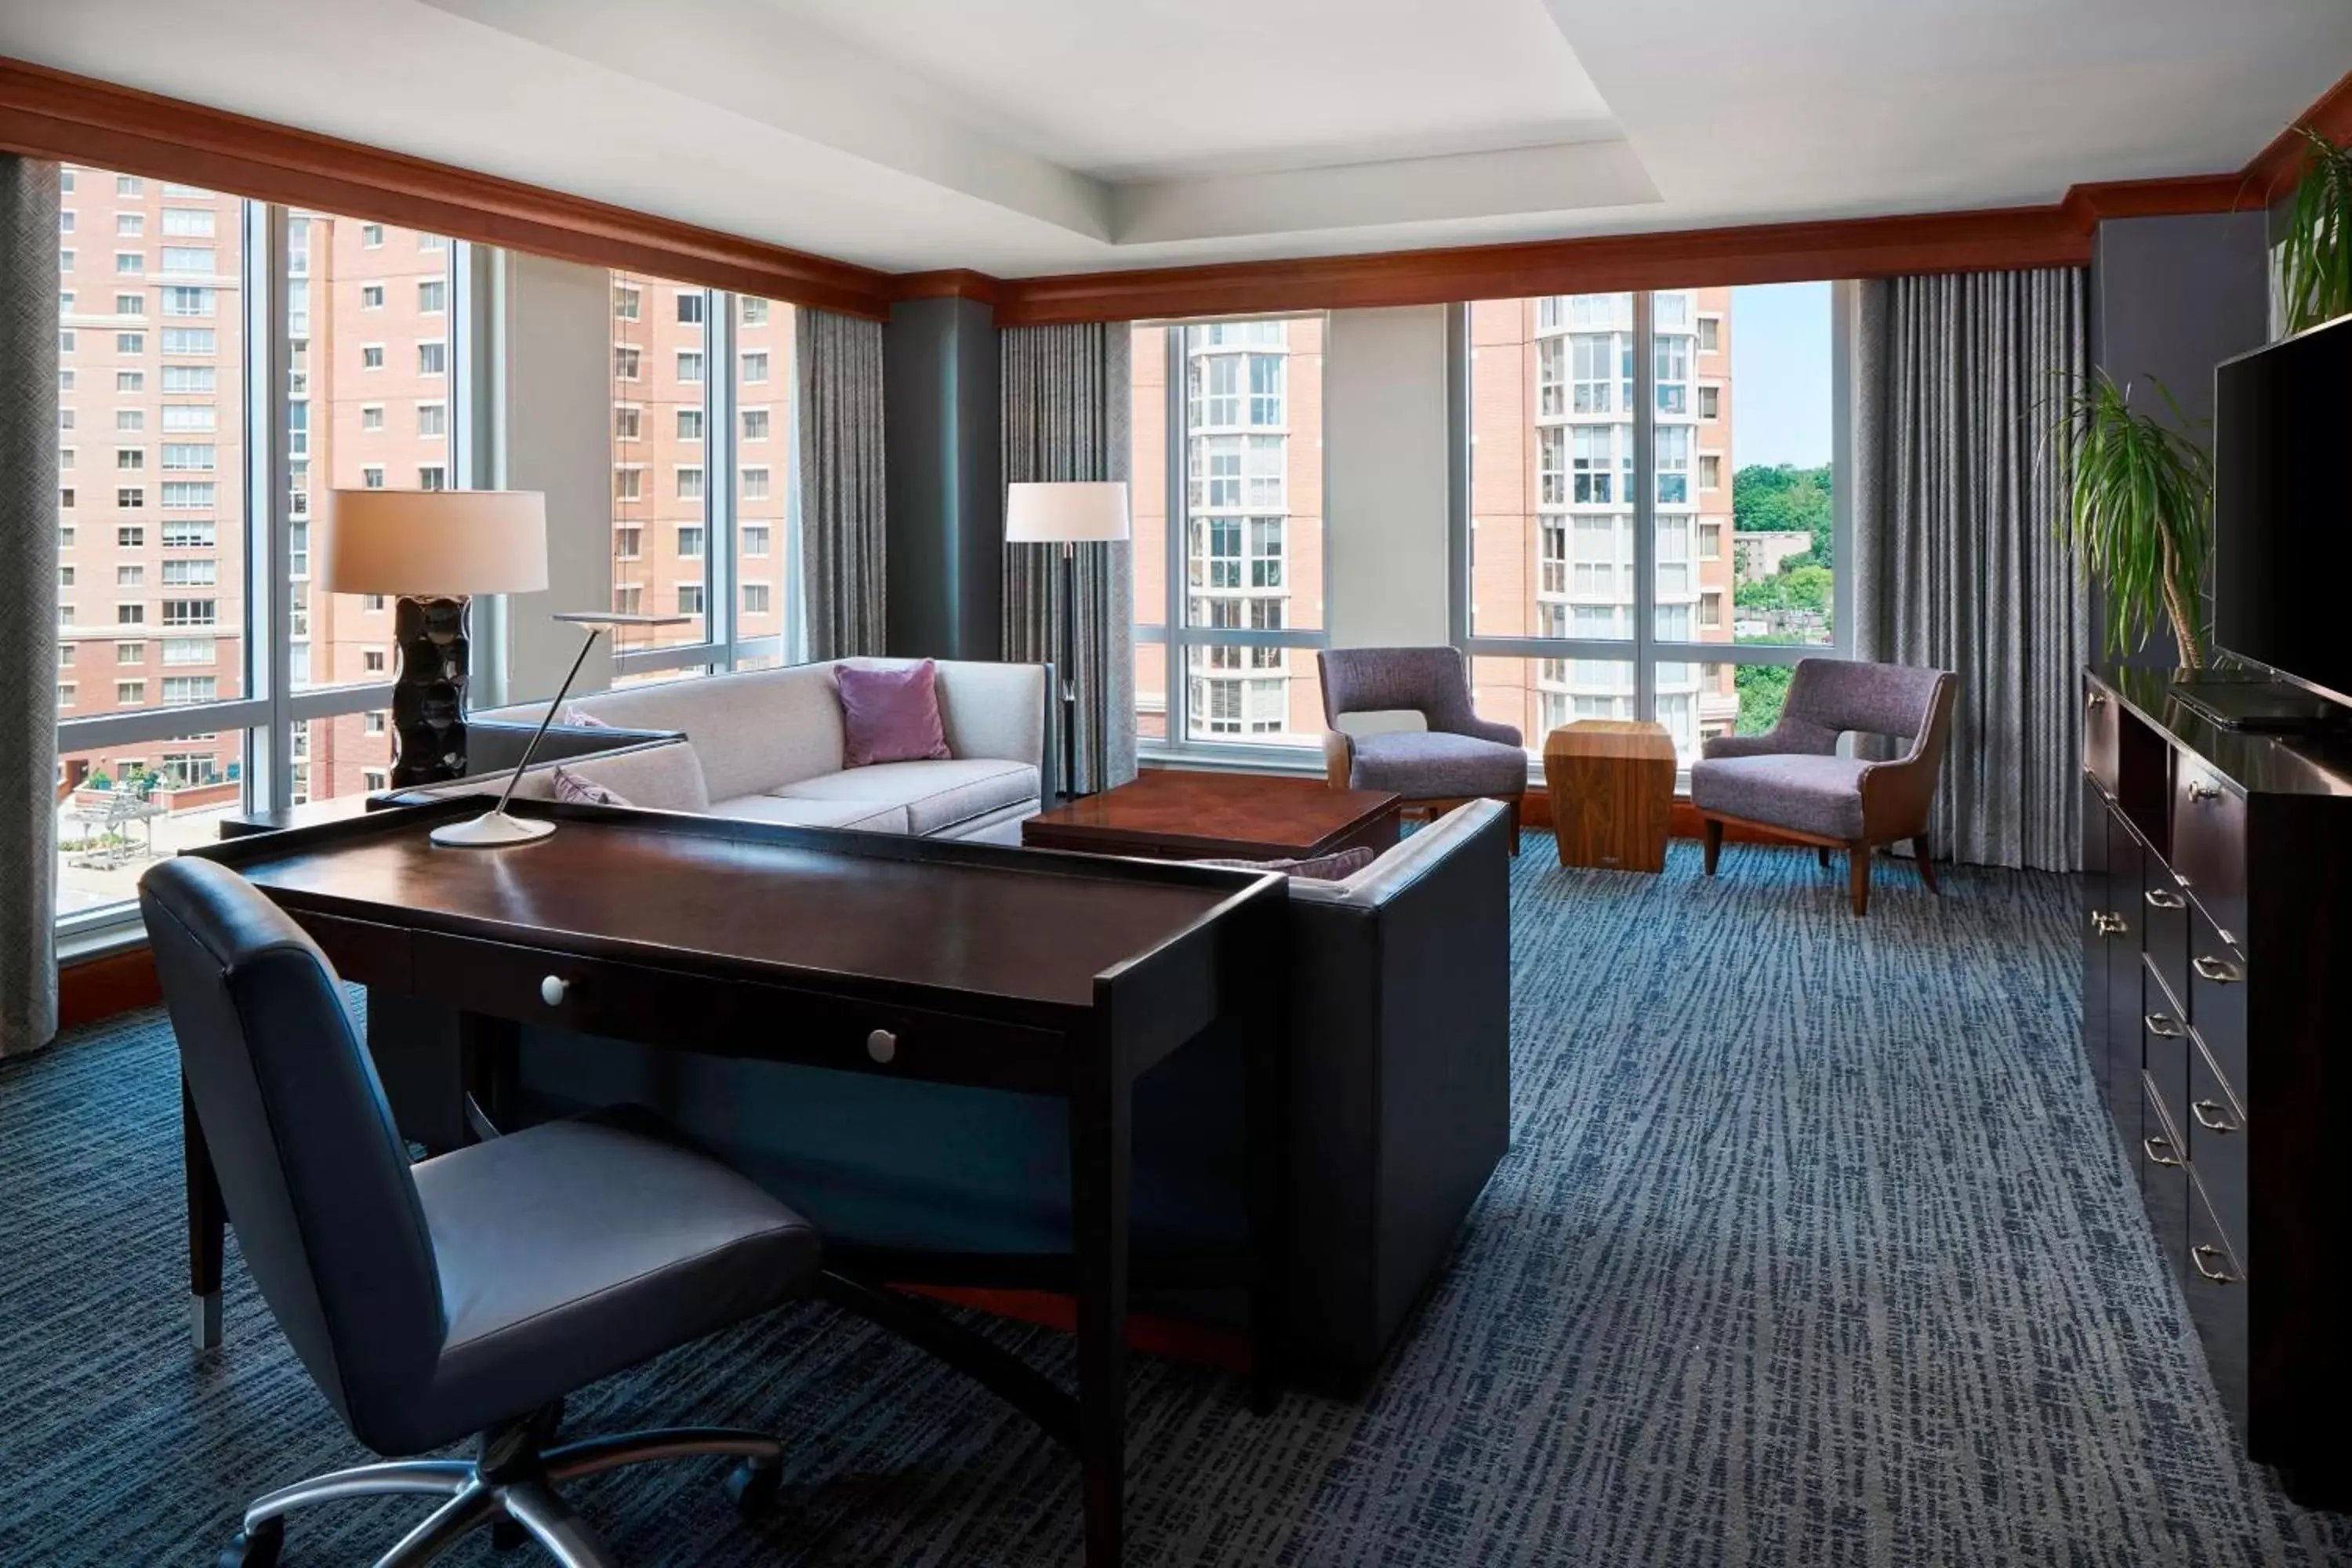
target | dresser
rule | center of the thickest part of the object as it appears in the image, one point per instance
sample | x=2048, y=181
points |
x=2217, y=1019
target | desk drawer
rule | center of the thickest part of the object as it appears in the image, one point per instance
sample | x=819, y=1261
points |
x=2209, y=847
x=734, y=1017
x=363, y=951
x=2164, y=916
x=2213, y=1279
x=2217, y=1001
x=2099, y=743
x=2215, y=1126
x=2164, y=1043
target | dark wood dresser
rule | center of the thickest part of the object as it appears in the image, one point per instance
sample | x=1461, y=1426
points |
x=2217, y=970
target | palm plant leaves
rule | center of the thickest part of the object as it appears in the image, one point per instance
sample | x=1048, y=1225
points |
x=2315, y=258
x=2140, y=511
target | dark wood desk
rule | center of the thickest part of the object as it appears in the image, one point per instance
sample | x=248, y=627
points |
x=910, y=959
x=1184, y=813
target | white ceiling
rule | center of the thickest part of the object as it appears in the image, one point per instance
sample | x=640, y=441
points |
x=1031, y=136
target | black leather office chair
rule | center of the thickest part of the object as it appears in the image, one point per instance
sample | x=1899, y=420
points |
x=465, y=1295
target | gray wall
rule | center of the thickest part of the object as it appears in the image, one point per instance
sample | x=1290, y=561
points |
x=2171, y=297
x=944, y=464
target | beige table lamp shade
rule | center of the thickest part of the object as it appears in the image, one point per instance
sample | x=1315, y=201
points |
x=435, y=544
x=1073, y=512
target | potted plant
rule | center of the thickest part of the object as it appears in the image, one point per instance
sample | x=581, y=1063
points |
x=2141, y=512
x=2314, y=261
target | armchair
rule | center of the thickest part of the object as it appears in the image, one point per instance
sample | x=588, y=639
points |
x=1791, y=782
x=1459, y=758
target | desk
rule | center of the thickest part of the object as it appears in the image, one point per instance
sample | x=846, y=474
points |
x=910, y=959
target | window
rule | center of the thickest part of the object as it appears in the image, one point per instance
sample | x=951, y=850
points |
x=755, y=425
x=628, y=423
x=753, y=485
x=1600, y=547
x=628, y=484
x=188, y=455
x=130, y=500
x=689, y=365
x=129, y=693
x=374, y=780
x=432, y=476
x=689, y=484
x=189, y=379
x=129, y=304
x=370, y=296
x=65, y=339
x=188, y=536
x=372, y=660
x=628, y=543
x=187, y=650
x=751, y=539
x=188, y=259
x=689, y=423
x=755, y=365
x=189, y=573
x=755, y=598
x=130, y=537
x=689, y=310
x=690, y=541
x=372, y=604
x=371, y=237
x=131, y=653
x=180, y=300
x=375, y=721
x=188, y=223
x=187, y=495
x=65, y=261
x=371, y=356
x=189, y=612
x=130, y=185
x=371, y=476
x=370, y=418
x=624, y=363
x=624, y=302
x=124, y=419
x=431, y=296
x=130, y=225
x=131, y=343
x=754, y=312
x=689, y=598
x=184, y=688
x=432, y=420
x=130, y=263
x=1250, y=555
x=432, y=358
x=65, y=221
x=628, y=599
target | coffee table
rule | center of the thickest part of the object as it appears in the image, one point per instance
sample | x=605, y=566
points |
x=1171, y=814
x=1612, y=793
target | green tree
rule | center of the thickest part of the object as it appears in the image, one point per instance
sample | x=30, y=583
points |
x=1780, y=498
x=1762, y=688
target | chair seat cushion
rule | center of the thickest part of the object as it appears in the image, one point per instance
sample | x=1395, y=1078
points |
x=868, y=816
x=572, y=1251
x=1428, y=765
x=1820, y=795
x=936, y=794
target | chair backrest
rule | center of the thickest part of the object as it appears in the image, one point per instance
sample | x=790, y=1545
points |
x=1910, y=702
x=315, y=1178
x=1430, y=681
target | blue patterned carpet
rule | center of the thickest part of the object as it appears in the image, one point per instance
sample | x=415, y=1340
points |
x=1812, y=1247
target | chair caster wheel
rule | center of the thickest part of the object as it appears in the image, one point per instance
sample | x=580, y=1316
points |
x=752, y=1485
x=256, y=1548
x=506, y=1535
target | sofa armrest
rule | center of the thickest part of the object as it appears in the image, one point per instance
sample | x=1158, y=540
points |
x=994, y=710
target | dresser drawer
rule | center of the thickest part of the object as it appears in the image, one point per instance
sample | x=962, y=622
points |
x=731, y=1017
x=2213, y=1279
x=2163, y=920
x=2164, y=1044
x=2214, y=1123
x=2209, y=846
x=2099, y=743
x=2163, y=1166
x=2217, y=1001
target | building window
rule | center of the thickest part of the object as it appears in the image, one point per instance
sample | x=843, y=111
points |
x=628, y=599
x=131, y=343
x=628, y=484
x=129, y=304
x=751, y=540
x=375, y=721
x=689, y=423
x=374, y=604
x=189, y=341
x=130, y=500
x=185, y=689
x=689, y=310
x=755, y=485
x=755, y=365
x=189, y=612
x=189, y=495
x=371, y=356
x=130, y=263
x=374, y=780
x=689, y=599
x=1710, y=334
x=690, y=542
x=754, y=312
x=132, y=652
x=372, y=477
x=129, y=693
x=689, y=484
x=628, y=543
x=628, y=423
x=625, y=363
x=370, y=296
x=432, y=358
x=180, y=300
x=371, y=237
x=189, y=379
x=372, y=660
x=624, y=302
x=188, y=223
x=432, y=420
x=689, y=365
x=185, y=258
x=755, y=598
x=188, y=455
x=1710, y=402
x=432, y=476
x=370, y=418
x=431, y=296
x=755, y=425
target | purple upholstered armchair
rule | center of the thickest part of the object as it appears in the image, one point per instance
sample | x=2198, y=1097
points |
x=1459, y=757
x=1791, y=780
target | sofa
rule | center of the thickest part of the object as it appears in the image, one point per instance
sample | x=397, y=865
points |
x=767, y=745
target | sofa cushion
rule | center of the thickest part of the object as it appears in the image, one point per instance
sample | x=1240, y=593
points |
x=652, y=778
x=753, y=731
x=890, y=713
x=1820, y=795
x=1430, y=764
x=936, y=794
x=868, y=816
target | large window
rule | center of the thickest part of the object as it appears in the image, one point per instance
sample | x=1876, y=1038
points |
x=702, y=494
x=200, y=673
x=1226, y=475
x=1633, y=550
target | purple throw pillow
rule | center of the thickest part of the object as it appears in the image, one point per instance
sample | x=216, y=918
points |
x=570, y=787
x=890, y=715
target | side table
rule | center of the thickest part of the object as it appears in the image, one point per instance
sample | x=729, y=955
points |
x=1611, y=783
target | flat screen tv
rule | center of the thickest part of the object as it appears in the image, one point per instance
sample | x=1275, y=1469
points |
x=2283, y=508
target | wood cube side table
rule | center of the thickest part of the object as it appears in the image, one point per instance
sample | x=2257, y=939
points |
x=1611, y=783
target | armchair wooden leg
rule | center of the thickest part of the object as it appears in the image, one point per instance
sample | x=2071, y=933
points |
x=1927, y=864
x=1857, y=871
x=1714, y=844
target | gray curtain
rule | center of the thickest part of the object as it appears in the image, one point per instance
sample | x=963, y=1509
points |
x=1961, y=558
x=28, y=603
x=839, y=371
x=1066, y=397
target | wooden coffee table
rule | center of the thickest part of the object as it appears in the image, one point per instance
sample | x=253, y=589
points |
x=1612, y=793
x=1171, y=814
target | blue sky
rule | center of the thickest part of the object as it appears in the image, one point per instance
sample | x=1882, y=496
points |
x=1780, y=374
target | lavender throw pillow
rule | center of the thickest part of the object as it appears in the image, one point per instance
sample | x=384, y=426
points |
x=570, y=787
x=890, y=715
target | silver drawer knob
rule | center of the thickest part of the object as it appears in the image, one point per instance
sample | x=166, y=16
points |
x=2220, y=971
x=553, y=989
x=882, y=1045
x=2199, y=790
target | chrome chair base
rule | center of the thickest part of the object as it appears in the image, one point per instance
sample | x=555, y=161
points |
x=512, y=1485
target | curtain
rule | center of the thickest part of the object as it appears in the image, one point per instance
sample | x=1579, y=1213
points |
x=838, y=362
x=28, y=603
x=1961, y=557
x=1065, y=399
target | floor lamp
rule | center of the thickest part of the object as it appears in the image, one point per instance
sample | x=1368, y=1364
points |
x=435, y=550
x=1069, y=513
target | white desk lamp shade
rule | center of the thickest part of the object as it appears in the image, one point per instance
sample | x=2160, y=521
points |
x=432, y=544
x=1088, y=511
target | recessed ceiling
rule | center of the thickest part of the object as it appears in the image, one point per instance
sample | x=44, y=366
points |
x=1030, y=136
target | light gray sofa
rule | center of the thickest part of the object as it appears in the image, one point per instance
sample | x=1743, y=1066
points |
x=767, y=745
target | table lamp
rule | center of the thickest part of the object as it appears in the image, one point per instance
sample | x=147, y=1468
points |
x=1069, y=513
x=434, y=549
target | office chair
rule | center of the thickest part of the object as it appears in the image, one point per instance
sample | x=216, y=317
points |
x=465, y=1295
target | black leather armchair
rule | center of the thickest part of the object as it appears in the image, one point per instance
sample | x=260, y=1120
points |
x=470, y=1293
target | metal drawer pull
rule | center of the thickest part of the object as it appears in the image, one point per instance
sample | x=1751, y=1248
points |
x=2107, y=924
x=2212, y=1116
x=2153, y=1144
x=2162, y=1026
x=2200, y=1253
x=2098, y=699
x=882, y=1045
x=2166, y=899
x=2199, y=790
x=2220, y=971
x=553, y=989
